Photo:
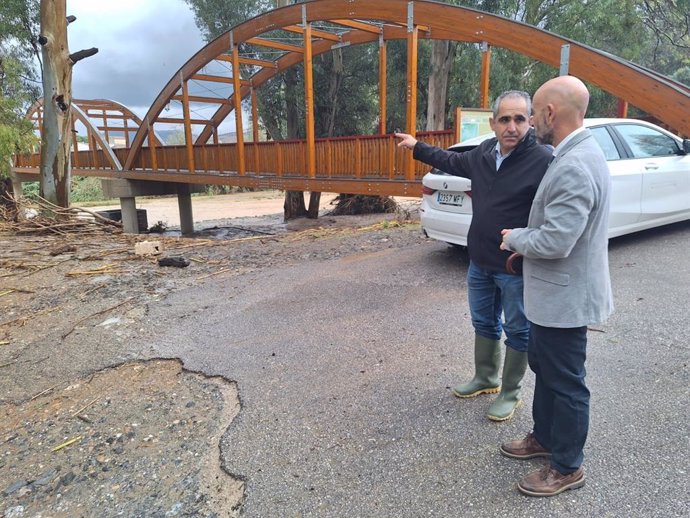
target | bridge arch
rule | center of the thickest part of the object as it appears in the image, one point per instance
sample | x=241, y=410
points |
x=362, y=21
x=109, y=111
x=94, y=135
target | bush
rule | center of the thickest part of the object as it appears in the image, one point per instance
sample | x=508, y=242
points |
x=31, y=189
x=86, y=188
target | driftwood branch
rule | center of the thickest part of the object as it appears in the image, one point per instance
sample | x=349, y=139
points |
x=65, y=335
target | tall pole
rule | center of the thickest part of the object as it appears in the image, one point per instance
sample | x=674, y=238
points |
x=411, y=122
x=237, y=96
x=382, y=85
x=255, y=129
x=486, y=68
x=309, y=96
x=187, y=126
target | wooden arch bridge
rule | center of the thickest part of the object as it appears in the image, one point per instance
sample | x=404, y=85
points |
x=292, y=36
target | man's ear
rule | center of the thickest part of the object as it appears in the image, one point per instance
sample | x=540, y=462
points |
x=550, y=112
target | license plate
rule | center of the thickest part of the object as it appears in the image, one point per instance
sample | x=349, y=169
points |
x=447, y=198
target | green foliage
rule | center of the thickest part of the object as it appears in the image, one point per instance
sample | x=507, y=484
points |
x=215, y=17
x=86, y=188
x=396, y=63
x=16, y=133
x=19, y=85
x=682, y=75
x=31, y=189
x=355, y=103
x=19, y=27
x=83, y=189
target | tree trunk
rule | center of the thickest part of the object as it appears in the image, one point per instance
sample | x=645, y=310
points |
x=292, y=114
x=6, y=192
x=56, y=134
x=294, y=205
x=314, y=202
x=442, y=55
x=294, y=200
x=334, y=88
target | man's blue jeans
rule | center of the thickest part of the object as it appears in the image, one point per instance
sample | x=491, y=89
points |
x=492, y=294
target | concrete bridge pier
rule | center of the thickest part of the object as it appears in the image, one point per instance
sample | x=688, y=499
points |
x=128, y=190
x=184, y=204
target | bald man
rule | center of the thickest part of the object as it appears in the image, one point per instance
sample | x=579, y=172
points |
x=566, y=285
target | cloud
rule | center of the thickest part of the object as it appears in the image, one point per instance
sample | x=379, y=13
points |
x=142, y=44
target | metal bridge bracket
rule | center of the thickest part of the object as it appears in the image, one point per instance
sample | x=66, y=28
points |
x=410, y=16
x=565, y=59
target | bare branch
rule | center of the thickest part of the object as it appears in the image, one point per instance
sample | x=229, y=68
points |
x=78, y=56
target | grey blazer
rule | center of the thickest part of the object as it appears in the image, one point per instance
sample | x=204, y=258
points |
x=566, y=271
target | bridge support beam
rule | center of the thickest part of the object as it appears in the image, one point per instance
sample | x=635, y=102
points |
x=18, y=179
x=128, y=190
x=184, y=203
x=130, y=222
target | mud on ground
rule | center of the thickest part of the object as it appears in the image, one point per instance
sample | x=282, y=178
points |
x=92, y=423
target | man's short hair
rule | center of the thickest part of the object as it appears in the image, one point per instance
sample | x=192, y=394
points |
x=513, y=93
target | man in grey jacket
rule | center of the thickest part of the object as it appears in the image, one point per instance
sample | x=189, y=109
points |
x=566, y=285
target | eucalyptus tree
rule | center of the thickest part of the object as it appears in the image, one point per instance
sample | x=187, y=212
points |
x=33, y=44
x=56, y=130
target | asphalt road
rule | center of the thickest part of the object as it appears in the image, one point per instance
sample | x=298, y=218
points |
x=344, y=369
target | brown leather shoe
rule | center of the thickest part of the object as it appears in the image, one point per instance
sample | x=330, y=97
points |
x=549, y=482
x=527, y=448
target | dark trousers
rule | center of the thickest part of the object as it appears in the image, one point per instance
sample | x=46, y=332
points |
x=561, y=398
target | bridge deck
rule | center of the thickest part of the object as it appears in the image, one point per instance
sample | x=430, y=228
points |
x=357, y=165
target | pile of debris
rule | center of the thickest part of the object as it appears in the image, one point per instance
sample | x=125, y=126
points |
x=354, y=204
x=38, y=216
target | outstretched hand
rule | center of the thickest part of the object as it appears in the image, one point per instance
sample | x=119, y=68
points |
x=407, y=141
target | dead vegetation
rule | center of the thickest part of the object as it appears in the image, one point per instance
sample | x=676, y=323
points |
x=40, y=217
x=354, y=204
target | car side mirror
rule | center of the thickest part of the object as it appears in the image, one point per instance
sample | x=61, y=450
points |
x=686, y=146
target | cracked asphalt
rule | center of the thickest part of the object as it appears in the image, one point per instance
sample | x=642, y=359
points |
x=344, y=364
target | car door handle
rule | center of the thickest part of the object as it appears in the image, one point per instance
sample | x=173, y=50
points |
x=651, y=166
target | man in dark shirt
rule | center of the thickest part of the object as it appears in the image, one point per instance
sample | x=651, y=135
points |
x=505, y=173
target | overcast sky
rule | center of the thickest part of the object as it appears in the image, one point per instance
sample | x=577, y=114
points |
x=141, y=44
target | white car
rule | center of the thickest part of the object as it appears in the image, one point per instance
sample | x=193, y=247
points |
x=650, y=172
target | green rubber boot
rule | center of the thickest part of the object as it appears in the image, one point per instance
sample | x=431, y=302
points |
x=487, y=359
x=508, y=400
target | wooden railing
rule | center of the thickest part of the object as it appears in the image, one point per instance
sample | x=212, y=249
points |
x=359, y=159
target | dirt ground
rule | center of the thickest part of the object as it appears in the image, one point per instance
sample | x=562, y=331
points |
x=215, y=208
x=92, y=424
